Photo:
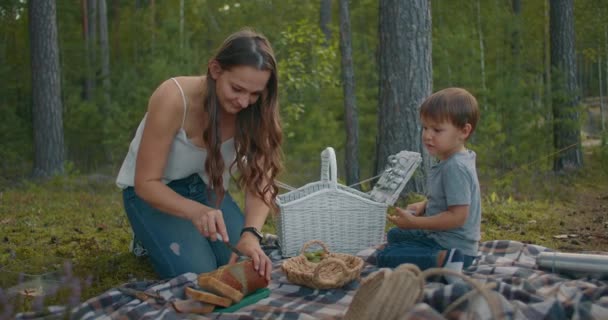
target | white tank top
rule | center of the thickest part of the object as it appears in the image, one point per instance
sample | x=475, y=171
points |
x=184, y=157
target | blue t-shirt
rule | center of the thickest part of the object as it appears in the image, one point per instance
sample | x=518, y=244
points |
x=454, y=182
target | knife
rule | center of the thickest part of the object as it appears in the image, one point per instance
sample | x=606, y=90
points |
x=142, y=295
x=231, y=247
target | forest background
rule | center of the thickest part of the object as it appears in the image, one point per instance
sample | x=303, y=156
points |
x=113, y=54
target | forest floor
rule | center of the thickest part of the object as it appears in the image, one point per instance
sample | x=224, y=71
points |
x=75, y=225
x=585, y=211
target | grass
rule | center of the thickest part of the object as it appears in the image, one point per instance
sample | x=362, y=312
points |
x=79, y=220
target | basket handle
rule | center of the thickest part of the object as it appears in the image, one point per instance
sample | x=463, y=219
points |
x=311, y=242
x=316, y=278
x=329, y=167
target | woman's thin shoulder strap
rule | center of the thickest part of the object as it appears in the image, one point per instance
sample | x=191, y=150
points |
x=184, y=99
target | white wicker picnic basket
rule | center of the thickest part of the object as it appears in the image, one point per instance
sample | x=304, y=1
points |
x=345, y=219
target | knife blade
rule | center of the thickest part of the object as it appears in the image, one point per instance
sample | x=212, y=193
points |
x=142, y=295
x=231, y=247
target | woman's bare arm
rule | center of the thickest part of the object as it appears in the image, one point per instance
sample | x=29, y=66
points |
x=165, y=112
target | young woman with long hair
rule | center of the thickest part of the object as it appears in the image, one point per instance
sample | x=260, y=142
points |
x=198, y=132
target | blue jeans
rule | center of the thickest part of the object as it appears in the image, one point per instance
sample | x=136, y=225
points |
x=412, y=246
x=173, y=244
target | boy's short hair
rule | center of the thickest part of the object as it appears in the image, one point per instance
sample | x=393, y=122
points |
x=455, y=105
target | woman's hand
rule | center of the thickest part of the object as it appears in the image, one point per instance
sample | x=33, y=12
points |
x=404, y=219
x=249, y=245
x=209, y=223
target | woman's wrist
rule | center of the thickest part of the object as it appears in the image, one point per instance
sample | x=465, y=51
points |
x=249, y=237
x=196, y=211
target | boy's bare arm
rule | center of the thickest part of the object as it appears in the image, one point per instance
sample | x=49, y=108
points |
x=452, y=218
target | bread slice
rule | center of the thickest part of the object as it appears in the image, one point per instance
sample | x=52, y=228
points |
x=191, y=306
x=210, y=283
x=207, y=297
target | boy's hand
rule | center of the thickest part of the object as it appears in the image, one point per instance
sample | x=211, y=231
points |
x=417, y=208
x=404, y=219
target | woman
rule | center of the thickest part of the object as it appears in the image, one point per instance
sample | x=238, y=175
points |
x=198, y=130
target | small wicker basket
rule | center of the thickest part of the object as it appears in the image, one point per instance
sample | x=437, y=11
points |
x=334, y=271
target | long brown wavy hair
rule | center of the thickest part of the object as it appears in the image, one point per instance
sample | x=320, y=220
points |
x=258, y=135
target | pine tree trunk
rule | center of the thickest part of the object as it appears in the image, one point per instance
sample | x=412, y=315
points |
x=603, y=109
x=325, y=18
x=153, y=28
x=405, y=73
x=49, y=150
x=105, y=56
x=547, y=60
x=350, y=105
x=601, y=85
x=90, y=35
x=516, y=34
x=181, y=27
x=89, y=80
x=564, y=91
x=482, y=56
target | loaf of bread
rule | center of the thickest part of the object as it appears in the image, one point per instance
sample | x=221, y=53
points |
x=240, y=276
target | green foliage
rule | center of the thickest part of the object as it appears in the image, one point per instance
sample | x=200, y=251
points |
x=307, y=64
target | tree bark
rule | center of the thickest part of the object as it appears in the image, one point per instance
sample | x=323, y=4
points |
x=516, y=33
x=105, y=56
x=49, y=149
x=181, y=27
x=325, y=18
x=547, y=60
x=351, y=158
x=599, y=72
x=89, y=25
x=603, y=110
x=482, y=56
x=405, y=73
x=565, y=95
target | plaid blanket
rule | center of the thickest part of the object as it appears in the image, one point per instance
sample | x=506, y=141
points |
x=524, y=291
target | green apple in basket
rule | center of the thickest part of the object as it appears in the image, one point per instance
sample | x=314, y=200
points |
x=315, y=256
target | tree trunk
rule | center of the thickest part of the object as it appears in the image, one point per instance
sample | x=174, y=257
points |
x=90, y=34
x=547, y=60
x=153, y=28
x=105, y=56
x=565, y=95
x=599, y=72
x=351, y=158
x=325, y=18
x=603, y=110
x=516, y=34
x=181, y=26
x=46, y=90
x=89, y=81
x=482, y=56
x=405, y=73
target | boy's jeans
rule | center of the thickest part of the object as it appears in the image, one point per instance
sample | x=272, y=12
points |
x=412, y=246
x=173, y=244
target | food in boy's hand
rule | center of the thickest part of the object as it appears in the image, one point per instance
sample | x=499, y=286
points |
x=315, y=256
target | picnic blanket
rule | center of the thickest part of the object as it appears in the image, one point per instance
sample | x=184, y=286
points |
x=525, y=292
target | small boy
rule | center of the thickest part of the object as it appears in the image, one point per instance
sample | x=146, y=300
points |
x=442, y=231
